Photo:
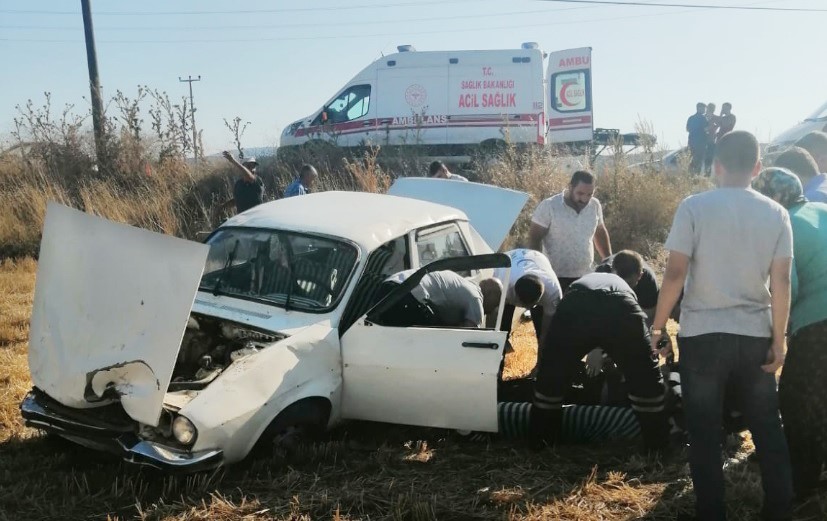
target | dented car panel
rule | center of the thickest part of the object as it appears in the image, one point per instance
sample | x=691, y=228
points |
x=130, y=355
x=108, y=316
x=252, y=391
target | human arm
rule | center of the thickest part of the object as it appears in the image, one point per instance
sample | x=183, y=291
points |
x=249, y=175
x=677, y=268
x=535, y=236
x=780, y=289
x=601, y=241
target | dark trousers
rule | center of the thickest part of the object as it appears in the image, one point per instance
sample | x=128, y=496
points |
x=614, y=322
x=697, y=154
x=802, y=393
x=708, y=363
x=709, y=158
x=565, y=282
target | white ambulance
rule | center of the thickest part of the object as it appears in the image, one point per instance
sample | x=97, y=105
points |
x=453, y=100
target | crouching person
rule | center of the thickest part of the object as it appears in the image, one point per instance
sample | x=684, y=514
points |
x=599, y=310
x=443, y=298
x=532, y=285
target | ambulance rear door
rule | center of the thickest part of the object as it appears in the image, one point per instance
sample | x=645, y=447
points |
x=570, y=96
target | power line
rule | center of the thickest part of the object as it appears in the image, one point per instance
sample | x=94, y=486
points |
x=246, y=11
x=363, y=35
x=694, y=6
x=287, y=26
x=358, y=36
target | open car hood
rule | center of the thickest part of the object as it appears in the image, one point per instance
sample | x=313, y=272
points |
x=491, y=210
x=110, y=307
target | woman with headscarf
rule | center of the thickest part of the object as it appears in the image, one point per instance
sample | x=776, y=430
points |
x=803, y=386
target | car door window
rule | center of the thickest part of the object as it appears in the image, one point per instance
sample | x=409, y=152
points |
x=441, y=242
x=390, y=258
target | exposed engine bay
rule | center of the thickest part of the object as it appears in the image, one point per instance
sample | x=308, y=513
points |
x=209, y=346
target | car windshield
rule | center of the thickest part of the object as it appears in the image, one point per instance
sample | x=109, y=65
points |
x=821, y=113
x=287, y=269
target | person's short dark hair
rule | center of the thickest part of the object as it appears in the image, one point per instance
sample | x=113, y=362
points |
x=435, y=167
x=700, y=106
x=528, y=289
x=727, y=105
x=815, y=143
x=738, y=152
x=798, y=161
x=582, y=176
x=307, y=170
x=627, y=263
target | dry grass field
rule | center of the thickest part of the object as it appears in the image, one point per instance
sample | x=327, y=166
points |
x=362, y=471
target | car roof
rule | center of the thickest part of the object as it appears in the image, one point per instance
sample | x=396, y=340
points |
x=367, y=219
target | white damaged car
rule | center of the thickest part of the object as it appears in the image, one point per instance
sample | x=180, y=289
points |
x=183, y=356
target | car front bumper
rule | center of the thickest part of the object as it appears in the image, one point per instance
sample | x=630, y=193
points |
x=38, y=412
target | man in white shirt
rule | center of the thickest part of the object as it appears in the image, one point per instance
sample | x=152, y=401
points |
x=532, y=285
x=568, y=227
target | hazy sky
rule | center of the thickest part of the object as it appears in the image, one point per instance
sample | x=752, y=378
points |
x=272, y=62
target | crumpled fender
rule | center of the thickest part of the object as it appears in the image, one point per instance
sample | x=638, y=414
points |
x=233, y=411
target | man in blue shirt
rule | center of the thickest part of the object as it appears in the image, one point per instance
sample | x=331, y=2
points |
x=303, y=184
x=696, y=125
x=816, y=144
x=803, y=165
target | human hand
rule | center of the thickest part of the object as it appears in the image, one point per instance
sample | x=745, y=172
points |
x=775, y=357
x=594, y=362
x=661, y=344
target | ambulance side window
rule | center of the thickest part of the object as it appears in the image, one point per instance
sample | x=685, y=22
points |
x=351, y=104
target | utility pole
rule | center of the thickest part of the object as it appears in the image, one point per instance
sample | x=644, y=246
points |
x=94, y=80
x=189, y=80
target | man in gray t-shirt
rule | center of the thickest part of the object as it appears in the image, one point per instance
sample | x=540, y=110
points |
x=725, y=245
x=456, y=301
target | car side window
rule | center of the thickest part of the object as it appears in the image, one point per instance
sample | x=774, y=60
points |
x=390, y=258
x=439, y=243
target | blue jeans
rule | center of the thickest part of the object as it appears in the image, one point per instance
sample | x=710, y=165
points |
x=707, y=364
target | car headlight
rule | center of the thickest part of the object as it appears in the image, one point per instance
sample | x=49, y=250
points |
x=183, y=430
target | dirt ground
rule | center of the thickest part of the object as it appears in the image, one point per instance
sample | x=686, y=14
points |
x=361, y=471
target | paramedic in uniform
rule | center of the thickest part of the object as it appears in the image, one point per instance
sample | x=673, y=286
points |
x=568, y=227
x=532, y=285
x=600, y=310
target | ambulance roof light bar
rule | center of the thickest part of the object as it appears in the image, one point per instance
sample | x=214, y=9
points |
x=405, y=48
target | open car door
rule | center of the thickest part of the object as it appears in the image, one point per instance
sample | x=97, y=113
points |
x=427, y=376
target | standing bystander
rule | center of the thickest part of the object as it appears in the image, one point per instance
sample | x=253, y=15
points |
x=568, y=227
x=712, y=124
x=696, y=127
x=725, y=244
x=816, y=144
x=803, y=388
x=303, y=184
x=248, y=190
